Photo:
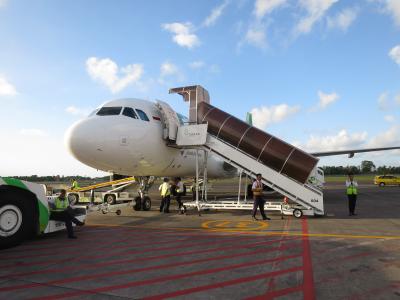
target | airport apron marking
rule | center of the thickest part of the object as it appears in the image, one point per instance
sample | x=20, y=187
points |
x=227, y=225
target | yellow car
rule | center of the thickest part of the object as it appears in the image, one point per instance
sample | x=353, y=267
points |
x=386, y=180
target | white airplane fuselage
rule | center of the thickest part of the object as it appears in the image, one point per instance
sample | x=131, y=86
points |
x=122, y=144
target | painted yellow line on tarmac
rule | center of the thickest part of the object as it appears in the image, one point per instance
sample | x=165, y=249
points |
x=228, y=225
x=332, y=235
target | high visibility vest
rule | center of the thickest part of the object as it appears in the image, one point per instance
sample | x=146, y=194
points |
x=75, y=185
x=351, y=190
x=165, y=190
x=61, y=204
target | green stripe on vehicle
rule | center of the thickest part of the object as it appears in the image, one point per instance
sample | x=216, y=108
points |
x=43, y=210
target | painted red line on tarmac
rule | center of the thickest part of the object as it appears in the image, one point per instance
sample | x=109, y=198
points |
x=90, y=266
x=223, y=284
x=152, y=268
x=308, y=277
x=165, y=278
x=278, y=293
x=134, y=260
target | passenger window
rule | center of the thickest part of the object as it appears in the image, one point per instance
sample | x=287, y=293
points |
x=130, y=112
x=109, y=111
x=142, y=115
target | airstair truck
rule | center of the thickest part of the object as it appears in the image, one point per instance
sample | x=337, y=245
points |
x=25, y=211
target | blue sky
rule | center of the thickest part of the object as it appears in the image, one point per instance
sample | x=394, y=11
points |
x=322, y=74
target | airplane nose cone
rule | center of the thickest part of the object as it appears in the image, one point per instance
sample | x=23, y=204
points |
x=84, y=141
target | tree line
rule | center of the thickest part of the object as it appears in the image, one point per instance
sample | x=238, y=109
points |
x=366, y=167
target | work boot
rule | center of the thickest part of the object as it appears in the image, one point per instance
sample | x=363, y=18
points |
x=72, y=237
x=266, y=218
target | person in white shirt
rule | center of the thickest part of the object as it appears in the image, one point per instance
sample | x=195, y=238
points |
x=179, y=191
x=257, y=189
x=351, y=191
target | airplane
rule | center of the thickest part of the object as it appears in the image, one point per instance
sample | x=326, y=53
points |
x=126, y=137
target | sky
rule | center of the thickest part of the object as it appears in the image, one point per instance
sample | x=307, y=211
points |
x=320, y=74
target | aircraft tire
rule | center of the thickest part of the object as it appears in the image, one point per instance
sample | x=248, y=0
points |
x=138, y=203
x=16, y=218
x=146, y=205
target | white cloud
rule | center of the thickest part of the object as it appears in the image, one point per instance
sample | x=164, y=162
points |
x=215, y=14
x=6, y=88
x=264, y=7
x=76, y=111
x=264, y=115
x=340, y=141
x=182, y=34
x=383, y=102
x=393, y=8
x=316, y=10
x=343, y=19
x=256, y=36
x=32, y=132
x=3, y=3
x=395, y=53
x=390, y=137
x=390, y=118
x=198, y=64
x=168, y=69
x=108, y=73
x=397, y=99
x=325, y=100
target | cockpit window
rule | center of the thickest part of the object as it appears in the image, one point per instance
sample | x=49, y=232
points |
x=109, y=111
x=94, y=112
x=142, y=115
x=130, y=112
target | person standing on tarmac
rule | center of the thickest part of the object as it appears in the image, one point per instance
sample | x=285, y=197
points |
x=165, y=189
x=351, y=190
x=257, y=189
x=180, y=190
x=74, y=184
x=63, y=212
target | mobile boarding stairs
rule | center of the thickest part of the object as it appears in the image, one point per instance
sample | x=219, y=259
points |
x=285, y=169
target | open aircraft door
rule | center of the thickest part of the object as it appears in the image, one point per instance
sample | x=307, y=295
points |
x=170, y=120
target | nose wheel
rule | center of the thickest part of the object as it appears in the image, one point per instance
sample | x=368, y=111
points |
x=142, y=203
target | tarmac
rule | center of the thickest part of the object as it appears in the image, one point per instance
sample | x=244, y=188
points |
x=218, y=255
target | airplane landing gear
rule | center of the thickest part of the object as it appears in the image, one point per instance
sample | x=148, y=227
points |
x=143, y=201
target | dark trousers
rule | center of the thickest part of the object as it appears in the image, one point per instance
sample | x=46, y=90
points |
x=165, y=201
x=66, y=216
x=259, y=202
x=352, y=203
x=178, y=199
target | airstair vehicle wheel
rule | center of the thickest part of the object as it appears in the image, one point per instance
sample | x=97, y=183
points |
x=73, y=198
x=146, y=203
x=138, y=203
x=297, y=213
x=110, y=199
x=118, y=212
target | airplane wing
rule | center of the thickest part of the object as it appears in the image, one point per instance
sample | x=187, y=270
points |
x=352, y=152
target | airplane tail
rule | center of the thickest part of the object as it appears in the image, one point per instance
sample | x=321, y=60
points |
x=249, y=118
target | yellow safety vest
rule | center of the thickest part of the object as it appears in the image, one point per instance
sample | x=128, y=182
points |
x=61, y=204
x=165, y=191
x=75, y=185
x=351, y=190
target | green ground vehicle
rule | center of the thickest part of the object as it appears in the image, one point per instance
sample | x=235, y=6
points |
x=24, y=211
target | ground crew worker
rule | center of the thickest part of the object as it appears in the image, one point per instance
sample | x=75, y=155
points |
x=180, y=189
x=74, y=184
x=257, y=190
x=351, y=190
x=63, y=212
x=165, y=189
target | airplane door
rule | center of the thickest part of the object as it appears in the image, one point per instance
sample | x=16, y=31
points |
x=170, y=120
